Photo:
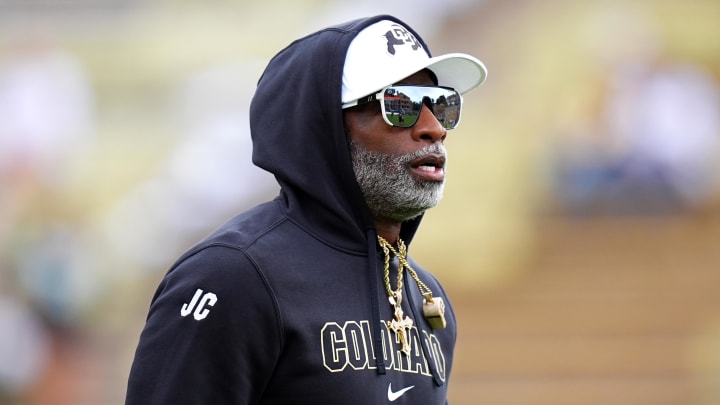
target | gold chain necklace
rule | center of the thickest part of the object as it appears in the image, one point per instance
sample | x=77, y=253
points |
x=433, y=308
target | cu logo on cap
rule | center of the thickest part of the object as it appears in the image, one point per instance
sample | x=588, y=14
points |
x=398, y=35
x=199, y=304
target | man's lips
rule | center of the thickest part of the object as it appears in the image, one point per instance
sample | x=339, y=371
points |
x=430, y=167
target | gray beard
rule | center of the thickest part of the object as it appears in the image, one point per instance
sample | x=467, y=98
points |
x=390, y=190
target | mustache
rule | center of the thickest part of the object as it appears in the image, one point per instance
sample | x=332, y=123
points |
x=434, y=149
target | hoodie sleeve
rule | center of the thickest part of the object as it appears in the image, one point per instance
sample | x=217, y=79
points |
x=212, y=335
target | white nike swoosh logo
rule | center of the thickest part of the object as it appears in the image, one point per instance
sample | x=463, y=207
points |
x=392, y=396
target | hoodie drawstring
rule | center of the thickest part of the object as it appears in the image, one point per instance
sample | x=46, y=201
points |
x=372, y=279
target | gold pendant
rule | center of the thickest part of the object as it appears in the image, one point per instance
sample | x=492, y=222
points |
x=434, y=312
x=401, y=325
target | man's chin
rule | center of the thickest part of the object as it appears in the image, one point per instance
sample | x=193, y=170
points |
x=411, y=211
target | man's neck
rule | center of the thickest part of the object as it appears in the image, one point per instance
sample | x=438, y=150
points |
x=388, y=229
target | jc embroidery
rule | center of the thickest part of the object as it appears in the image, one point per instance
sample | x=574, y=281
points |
x=198, y=305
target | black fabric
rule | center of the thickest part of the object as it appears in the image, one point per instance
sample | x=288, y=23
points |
x=285, y=304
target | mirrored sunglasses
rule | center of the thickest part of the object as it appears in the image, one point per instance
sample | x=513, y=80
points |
x=401, y=104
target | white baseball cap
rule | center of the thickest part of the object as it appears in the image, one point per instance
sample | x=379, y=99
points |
x=387, y=52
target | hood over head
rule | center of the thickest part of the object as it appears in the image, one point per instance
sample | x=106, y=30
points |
x=297, y=128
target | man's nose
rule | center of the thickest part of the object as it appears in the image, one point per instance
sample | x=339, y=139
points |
x=428, y=127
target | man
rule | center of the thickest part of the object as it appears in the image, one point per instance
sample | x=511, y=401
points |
x=299, y=300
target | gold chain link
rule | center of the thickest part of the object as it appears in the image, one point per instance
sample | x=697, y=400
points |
x=401, y=254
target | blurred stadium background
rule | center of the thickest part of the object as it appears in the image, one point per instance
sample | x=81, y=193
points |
x=579, y=233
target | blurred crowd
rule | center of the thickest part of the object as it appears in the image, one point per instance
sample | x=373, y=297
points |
x=60, y=257
x=46, y=260
x=649, y=140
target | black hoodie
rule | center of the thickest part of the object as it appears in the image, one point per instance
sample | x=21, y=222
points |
x=285, y=303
